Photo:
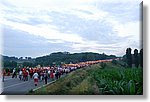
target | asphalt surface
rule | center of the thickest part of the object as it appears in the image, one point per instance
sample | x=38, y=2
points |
x=14, y=86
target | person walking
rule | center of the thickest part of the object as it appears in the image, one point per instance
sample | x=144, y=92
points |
x=4, y=74
x=45, y=77
x=20, y=74
x=14, y=73
x=52, y=75
x=8, y=74
x=31, y=72
x=59, y=74
x=41, y=75
x=35, y=77
x=49, y=73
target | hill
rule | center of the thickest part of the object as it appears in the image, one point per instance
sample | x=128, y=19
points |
x=57, y=58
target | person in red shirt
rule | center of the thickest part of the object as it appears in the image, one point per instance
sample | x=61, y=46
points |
x=8, y=72
x=52, y=75
x=23, y=72
x=25, y=75
x=4, y=74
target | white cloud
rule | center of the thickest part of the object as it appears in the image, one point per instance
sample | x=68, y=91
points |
x=122, y=1
x=46, y=31
x=1, y=41
x=47, y=3
x=125, y=29
x=95, y=14
x=26, y=10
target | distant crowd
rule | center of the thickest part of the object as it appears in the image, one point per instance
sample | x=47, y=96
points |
x=45, y=73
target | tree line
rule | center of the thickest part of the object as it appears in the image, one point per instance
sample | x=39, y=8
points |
x=57, y=58
x=135, y=59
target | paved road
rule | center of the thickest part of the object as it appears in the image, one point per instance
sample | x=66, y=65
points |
x=15, y=86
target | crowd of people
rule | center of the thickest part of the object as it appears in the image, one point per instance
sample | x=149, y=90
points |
x=40, y=74
x=45, y=73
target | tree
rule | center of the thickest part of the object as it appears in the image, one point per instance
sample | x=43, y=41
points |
x=27, y=64
x=129, y=57
x=29, y=58
x=10, y=64
x=14, y=64
x=141, y=57
x=26, y=58
x=21, y=58
x=136, y=58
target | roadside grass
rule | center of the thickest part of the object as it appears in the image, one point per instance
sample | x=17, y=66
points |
x=93, y=80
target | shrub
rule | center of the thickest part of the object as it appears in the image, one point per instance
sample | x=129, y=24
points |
x=114, y=62
x=103, y=65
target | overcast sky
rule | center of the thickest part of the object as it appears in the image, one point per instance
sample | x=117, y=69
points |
x=40, y=27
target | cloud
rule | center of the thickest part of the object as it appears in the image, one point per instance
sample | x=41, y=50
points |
x=23, y=44
x=46, y=4
x=46, y=31
x=79, y=25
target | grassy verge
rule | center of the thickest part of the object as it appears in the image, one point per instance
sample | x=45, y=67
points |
x=112, y=80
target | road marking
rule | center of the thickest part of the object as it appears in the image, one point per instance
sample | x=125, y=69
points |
x=7, y=79
x=14, y=85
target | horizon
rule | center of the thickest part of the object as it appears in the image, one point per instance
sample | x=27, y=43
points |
x=68, y=52
x=34, y=29
x=55, y=52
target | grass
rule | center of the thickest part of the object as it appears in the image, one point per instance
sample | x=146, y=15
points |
x=94, y=80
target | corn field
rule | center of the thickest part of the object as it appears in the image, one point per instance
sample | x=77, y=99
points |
x=127, y=81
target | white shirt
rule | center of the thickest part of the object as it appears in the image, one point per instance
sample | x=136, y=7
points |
x=49, y=72
x=20, y=72
x=14, y=70
x=35, y=75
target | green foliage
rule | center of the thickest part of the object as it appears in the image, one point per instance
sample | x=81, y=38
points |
x=129, y=57
x=141, y=58
x=119, y=81
x=63, y=57
x=103, y=65
x=6, y=69
x=114, y=62
x=10, y=64
x=136, y=58
x=28, y=64
x=57, y=58
x=111, y=80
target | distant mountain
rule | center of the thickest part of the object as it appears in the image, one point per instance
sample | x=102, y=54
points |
x=56, y=58
x=66, y=57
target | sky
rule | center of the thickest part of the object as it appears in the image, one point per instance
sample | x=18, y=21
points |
x=40, y=27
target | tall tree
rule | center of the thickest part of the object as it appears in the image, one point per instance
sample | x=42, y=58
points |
x=141, y=57
x=136, y=58
x=129, y=57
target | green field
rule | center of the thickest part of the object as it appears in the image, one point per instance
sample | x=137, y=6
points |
x=95, y=80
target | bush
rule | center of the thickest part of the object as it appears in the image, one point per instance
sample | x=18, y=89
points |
x=114, y=62
x=103, y=65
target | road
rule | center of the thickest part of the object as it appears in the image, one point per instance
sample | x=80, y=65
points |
x=14, y=86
